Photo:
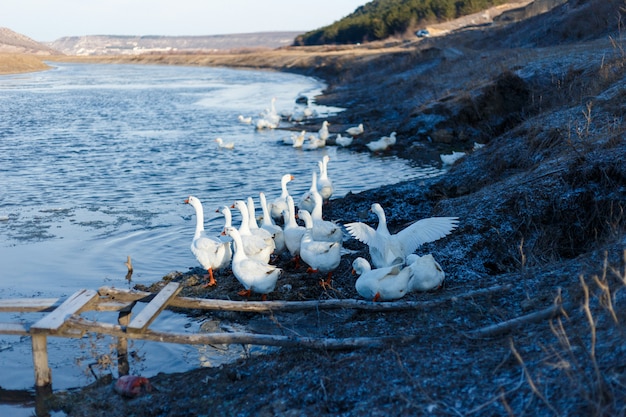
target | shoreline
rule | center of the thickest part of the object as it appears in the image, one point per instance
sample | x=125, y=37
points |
x=540, y=208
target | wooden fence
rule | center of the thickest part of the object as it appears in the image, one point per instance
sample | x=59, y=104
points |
x=64, y=320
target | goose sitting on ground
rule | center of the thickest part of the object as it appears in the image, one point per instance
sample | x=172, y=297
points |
x=321, y=256
x=254, y=275
x=450, y=159
x=280, y=203
x=355, y=131
x=382, y=284
x=426, y=273
x=293, y=231
x=344, y=141
x=255, y=247
x=382, y=144
x=324, y=183
x=224, y=145
x=211, y=252
x=387, y=249
x=268, y=224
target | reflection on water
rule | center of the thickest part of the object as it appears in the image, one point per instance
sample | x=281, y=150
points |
x=96, y=161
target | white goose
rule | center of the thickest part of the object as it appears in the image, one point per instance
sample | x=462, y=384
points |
x=344, y=141
x=306, y=202
x=324, y=229
x=426, y=273
x=244, y=120
x=253, y=274
x=324, y=184
x=450, y=159
x=253, y=224
x=313, y=142
x=387, y=249
x=280, y=203
x=321, y=256
x=293, y=231
x=224, y=145
x=355, y=131
x=382, y=144
x=211, y=252
x=269, y=225
x=255, y=246
x=382, y=284
x=323, y=132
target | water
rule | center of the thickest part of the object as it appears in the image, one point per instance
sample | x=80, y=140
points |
x=96, y=161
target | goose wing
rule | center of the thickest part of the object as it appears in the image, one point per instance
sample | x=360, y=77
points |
x=425, y=230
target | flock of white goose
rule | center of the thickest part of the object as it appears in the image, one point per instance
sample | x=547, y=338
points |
x=318, y=243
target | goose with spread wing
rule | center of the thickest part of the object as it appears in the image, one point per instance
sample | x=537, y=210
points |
x=388, y=249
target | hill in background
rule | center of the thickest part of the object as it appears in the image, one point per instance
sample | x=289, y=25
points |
x=135, y=45
x=15, y=43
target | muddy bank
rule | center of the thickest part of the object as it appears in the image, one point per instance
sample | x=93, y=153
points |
x=541, y=216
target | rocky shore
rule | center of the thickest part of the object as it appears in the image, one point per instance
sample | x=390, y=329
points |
x=541, y=219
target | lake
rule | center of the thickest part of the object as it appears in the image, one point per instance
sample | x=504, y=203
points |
x=96, y=162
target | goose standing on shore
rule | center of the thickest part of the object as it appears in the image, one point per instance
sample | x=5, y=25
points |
x=324, y=183
x=256, y=247
x=280, y=203
x=323, y=132
x=306, y=202
x=323, y=229
x=321, y=255
x=211, y=252
x=355, y=131
x=293, y=231
x=254, y=275
x=268, y=224
x=343, y=141
x=386, y=249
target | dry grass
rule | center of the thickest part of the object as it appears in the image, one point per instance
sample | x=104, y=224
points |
x=18, y=63
x=587, y=357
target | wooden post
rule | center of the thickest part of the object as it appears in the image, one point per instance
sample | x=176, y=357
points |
x=123, y=367
x=43, y=376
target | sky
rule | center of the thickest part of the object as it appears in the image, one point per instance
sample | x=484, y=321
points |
x=48, y=20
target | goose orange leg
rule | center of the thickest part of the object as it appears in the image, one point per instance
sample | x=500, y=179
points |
x=245, y=293
x=212, y=281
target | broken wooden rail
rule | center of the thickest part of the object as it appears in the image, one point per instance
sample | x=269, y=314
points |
x=63, y=320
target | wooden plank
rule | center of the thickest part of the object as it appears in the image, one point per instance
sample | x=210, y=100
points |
x=13, y=328
x=240, y=337
x=154, y=307
x=28, y=305
x=121, y=295
x=74, y=304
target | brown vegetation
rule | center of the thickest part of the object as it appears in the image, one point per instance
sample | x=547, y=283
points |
x=17, y=63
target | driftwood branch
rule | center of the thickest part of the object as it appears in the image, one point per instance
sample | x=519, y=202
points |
x=509, y=325
x=84, y=325
x=120, y=295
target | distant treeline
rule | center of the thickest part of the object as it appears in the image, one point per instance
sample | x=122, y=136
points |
x=380, y=19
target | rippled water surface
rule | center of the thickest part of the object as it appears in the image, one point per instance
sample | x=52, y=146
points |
x=96, y=161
